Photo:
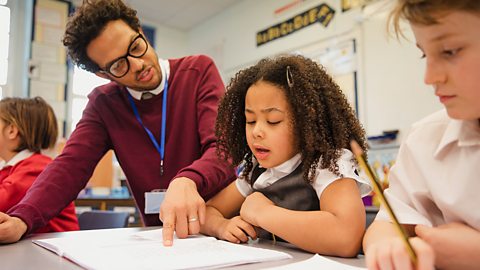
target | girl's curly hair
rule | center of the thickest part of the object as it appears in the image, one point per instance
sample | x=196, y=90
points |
x=88, y=22
x=323, y=121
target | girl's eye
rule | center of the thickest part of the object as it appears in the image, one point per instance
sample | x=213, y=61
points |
x=274, y=123
x=250, y=122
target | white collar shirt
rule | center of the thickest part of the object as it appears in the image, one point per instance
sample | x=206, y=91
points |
x=323, y=178
x=24, y=154
x=435, y=178
x=165, y=69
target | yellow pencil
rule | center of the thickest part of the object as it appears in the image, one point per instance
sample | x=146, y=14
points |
x=358, y=152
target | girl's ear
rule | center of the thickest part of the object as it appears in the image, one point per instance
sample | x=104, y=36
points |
x=12, y=132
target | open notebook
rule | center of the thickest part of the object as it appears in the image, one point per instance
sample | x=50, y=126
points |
x=144, y=250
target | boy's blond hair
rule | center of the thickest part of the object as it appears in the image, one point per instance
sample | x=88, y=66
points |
x=35, y=120
x=425, y=11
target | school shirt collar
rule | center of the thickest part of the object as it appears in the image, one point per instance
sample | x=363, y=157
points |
x=24, y=154
x=165, y=69
x=463, y=132
x=285, y=168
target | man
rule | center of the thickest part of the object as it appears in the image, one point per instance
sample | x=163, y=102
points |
x=166, y=141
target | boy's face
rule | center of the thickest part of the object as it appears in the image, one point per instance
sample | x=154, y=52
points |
x=113, y=42
x=452, y=52
x=268, y=125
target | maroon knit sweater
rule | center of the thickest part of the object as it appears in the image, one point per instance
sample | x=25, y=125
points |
x=108, y=122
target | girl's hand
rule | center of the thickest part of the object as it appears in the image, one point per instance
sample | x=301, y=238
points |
x=253, y=206
x=392, y=254
x=236, y=230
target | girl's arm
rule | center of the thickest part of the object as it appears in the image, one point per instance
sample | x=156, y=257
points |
x=222, y=220
x=335, y=230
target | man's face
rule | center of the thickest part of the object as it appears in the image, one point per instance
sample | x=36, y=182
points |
x=115, y=41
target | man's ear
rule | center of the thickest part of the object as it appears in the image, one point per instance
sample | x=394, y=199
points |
x=102, y=74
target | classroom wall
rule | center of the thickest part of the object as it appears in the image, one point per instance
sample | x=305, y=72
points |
x=391, y=90
x=169, y=42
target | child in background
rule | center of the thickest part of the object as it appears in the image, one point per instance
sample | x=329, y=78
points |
x=434, y=183
x=290, y=125
x=26, y=127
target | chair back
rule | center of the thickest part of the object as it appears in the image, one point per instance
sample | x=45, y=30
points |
x=96, y=219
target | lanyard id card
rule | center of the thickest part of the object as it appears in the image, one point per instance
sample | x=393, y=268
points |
x=153, y=200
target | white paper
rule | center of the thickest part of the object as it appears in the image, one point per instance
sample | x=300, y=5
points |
x=318, y=262
x=146, y=251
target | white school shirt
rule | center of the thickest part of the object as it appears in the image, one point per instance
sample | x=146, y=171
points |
x=165, y=69
x=323, y=178
x=436, y=177
x=24, y=154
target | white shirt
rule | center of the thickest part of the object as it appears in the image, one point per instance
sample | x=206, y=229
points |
x=435, y=179
x=323, y=178
x=165, y=69
x=24, y=154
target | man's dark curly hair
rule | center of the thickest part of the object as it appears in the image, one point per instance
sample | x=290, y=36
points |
x=88, y=22
x=323, y=121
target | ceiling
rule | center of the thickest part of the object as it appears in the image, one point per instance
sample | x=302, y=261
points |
x=179, y=14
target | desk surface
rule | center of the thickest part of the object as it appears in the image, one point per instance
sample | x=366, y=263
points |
x=26, y=255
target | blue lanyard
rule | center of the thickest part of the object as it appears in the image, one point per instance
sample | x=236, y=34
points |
x=161, y=148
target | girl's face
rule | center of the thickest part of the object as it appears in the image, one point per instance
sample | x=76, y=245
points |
x=6, y=141
x=269, y=125
x=452, y=51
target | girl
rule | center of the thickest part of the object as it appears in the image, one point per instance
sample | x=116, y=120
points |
x=26, y=127
x=290, y=126
x=435, y=182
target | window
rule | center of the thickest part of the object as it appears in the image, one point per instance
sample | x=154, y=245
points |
x=83, y=84
x=4, y=40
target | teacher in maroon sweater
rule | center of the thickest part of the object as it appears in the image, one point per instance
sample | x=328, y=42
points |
x=166, y=141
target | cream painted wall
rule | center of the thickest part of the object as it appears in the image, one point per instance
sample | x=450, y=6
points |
x=391, y=90
x=169, y=42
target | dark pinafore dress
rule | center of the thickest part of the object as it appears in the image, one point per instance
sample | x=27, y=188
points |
x=290, y=192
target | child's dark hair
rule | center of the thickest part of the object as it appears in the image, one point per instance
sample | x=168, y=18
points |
x=35, y=120
x=323, y=121
x=88, y=22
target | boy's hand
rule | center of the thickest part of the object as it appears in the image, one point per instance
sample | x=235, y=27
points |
x=11, y=229
x=236, y=230
x=456, y=245
x=391, y=254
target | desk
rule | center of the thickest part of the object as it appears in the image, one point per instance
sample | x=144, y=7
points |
x=25, y=255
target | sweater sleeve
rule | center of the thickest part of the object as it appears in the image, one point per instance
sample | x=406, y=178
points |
x=208, y=172
x=62, y=180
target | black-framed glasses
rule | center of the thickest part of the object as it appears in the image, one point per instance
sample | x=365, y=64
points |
x=120, y=66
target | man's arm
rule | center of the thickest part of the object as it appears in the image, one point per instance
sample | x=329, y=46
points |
x=183, y=208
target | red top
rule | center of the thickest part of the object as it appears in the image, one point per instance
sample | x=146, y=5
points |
x=16, y=180
x=108, y=122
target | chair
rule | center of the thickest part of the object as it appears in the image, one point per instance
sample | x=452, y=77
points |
x=96, y=219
